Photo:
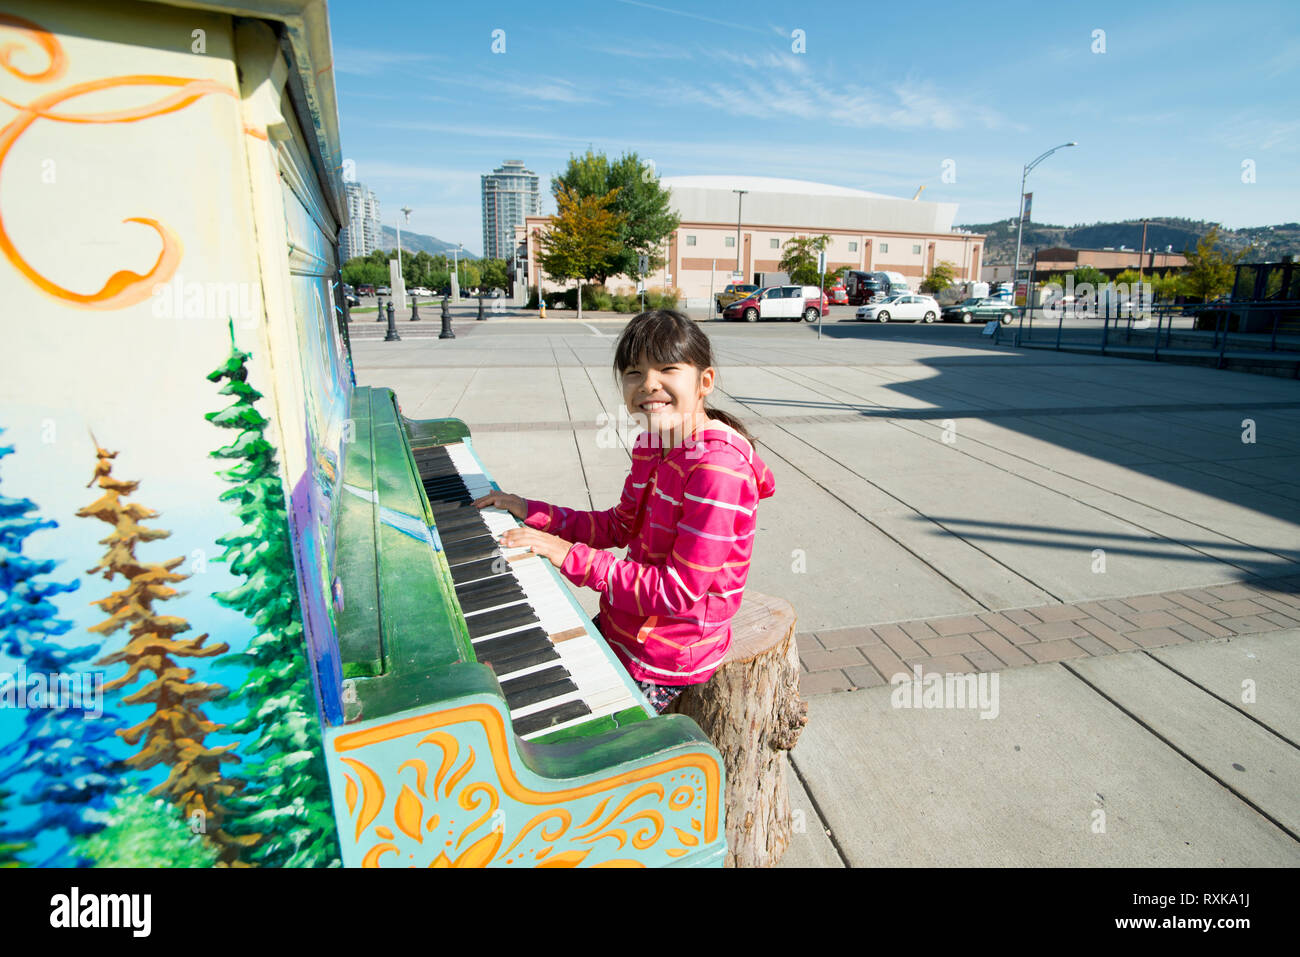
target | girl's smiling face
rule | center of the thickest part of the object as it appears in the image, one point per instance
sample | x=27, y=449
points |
x=670, y=396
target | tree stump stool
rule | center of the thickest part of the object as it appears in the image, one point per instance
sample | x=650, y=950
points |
x=751, y=711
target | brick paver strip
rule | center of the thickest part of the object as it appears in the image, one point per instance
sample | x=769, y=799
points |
x=1006, y=628
x=1020, y=617
x=823, y=682
x=864, y=676
x=1108, y=635
x=1054, y=651
x=1279, y=619
x=816, y=661
x=1191, y=632
x=1155, y=637
x=1239, y=609
x=1152, y=619
x=1249, y=625
x=915, y=629
x=1148, y=602
x=885, y=661
x=1291, y=611
x=1109, y=619
x=1193, y=604
x=1057, y=612
x=1006, y=652
x=951, y=645
x=962, y=625
x=806, y=641
x=847, y=638
x=983, y=660
x=1212, y=628
x=844, y=659
x=1229, y=592
x=1095, y=646
x=945, y=664
x=899, y=642
x=1055, y=630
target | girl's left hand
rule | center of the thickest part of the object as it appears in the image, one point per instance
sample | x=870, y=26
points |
x=551, y=547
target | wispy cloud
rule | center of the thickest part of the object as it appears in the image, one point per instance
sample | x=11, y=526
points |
x=730, y=25
x=360, y=61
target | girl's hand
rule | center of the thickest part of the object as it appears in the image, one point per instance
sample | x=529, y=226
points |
x=513, y=504
x=551, y=547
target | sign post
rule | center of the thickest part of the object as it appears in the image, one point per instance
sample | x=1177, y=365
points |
x=821, y=289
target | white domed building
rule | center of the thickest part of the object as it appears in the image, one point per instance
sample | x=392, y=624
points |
x=725, y=233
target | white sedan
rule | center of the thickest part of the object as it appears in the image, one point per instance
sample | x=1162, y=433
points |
x=911, y=308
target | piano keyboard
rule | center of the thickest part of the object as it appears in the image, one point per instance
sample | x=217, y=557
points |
x=555, y=671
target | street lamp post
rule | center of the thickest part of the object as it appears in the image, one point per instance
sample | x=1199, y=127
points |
x=740, y=201
x=455, y=272
x=1020, y=231
x=406, y=211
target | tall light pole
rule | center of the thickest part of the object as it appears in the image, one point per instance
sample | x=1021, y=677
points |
x=1015, y=276
x=740, y=201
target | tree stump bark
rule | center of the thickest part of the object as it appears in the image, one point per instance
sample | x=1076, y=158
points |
x=751, y=711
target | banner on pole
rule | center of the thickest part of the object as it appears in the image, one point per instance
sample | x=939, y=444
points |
x=1029, y=201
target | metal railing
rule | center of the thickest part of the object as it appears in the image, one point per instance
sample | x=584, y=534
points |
x=1215, y=330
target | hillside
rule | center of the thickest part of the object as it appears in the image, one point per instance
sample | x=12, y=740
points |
x=415, y=242
x=1270, y=242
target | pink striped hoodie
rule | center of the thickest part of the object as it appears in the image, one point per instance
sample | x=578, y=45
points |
x=688, y=521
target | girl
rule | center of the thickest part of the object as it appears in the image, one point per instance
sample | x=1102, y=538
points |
x=687, y=515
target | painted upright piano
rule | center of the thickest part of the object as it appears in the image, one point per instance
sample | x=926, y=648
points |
x=295, y=637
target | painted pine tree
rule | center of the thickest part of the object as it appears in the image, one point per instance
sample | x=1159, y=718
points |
x=65, y=771
x=174, y=733
x=287, y=799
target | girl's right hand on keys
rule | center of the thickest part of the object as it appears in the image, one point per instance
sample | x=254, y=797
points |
x=513, y=504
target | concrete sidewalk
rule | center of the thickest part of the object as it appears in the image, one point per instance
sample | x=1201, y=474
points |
x=946, y=503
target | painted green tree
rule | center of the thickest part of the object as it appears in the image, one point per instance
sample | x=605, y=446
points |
x=146, y=832
x=287, y=800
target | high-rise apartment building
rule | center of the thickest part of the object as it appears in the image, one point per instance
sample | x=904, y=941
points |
x=363, y=234
x=510, y=193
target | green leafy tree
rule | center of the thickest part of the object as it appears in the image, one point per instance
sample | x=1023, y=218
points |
x=1209, y=270
x=287, y=797
x=643, y=205
x=1167, y=286
x=940, y=277
x=494, y=274
x=799, y=258
x=582, y=239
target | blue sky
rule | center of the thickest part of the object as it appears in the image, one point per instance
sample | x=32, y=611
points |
x=1165, y=117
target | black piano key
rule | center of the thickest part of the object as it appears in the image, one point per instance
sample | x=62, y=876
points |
x=460, y=533
x=488, y=622
x=471, y=549
x=484, y=568
x=503, y=652
x=535, y=679
x=486, y=588
x=520, y=697
x=542, y=720
x=472, y=604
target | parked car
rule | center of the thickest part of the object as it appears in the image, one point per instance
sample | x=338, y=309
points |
x=365, y=289
x=734, y=292
x=983, y=309
x=350, y=296
x=421, y=291
x=910, y=308
x=779, y=302
x=383, y=291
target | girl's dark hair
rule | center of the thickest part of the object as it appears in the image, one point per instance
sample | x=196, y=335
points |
x=666, y=337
